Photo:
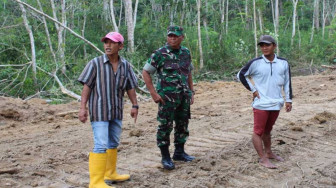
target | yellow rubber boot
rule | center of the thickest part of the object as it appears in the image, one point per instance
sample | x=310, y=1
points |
x=111, y=174
x=97, y=166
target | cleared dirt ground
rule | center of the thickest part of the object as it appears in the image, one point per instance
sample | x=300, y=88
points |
x=44, y=145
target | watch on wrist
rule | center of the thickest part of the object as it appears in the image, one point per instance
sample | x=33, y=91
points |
x=135, y=106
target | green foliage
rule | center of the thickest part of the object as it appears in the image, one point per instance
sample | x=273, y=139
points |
x=223, y=53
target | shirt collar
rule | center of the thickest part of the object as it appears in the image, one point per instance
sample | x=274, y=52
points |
x=268, y=61
x=106, y=59
x=170, y=49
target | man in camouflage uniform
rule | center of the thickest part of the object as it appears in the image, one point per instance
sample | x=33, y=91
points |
x=174, y=93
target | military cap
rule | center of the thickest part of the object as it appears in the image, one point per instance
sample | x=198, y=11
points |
x=176, y=30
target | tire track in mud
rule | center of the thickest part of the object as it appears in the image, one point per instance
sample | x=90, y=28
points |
x=220, y=138
x=226, y=158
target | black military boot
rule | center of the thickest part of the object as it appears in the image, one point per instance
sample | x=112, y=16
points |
x=166, y=160
x=180, y=155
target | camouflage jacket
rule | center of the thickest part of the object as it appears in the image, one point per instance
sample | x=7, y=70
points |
x=173, y=67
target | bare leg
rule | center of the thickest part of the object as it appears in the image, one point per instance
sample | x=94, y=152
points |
x=258, y=145
x=266, y=137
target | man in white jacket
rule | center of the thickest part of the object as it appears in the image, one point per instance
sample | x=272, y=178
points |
x=270, y=75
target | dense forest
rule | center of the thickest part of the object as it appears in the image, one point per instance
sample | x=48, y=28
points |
x=45, y=44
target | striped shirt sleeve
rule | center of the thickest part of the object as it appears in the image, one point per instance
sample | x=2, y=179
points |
x=132, y=81
x=88, y=76
x=243, y=75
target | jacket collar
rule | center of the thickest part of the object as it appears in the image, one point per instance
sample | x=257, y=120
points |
x=268, y=61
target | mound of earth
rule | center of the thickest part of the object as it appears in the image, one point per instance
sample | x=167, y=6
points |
x=43, y=145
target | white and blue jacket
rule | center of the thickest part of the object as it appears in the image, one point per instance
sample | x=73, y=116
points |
x=269, y=79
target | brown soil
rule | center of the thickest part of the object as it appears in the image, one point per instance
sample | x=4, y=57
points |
x=44, y=145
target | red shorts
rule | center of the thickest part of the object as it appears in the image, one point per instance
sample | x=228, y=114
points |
x=264, y=120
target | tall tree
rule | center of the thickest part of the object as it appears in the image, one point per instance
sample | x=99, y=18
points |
x=32, y=42
x=324, y=17
x=222, y=11
x=205, y=21
x=48, y=35
x=116, y=28
x=83, y=31
x=183, y=12
x=255, y=29
x=317, y=14
x=227, y=17
x=60, y=33
x=199, y=33
x=276, y=10
x=130, y=20
x=260, y=21
x=314, y=20
x=121, y=12
x=172, y=12
x=106, y=11
x=247, y=19
x=240, y=11
x=275, y=16
x=295, y=2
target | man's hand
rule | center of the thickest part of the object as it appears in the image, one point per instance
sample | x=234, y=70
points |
x=157, y=98
x=192, y=99
x=255, y=94
x=288, y=106
x=82, y=115
x=134, y=114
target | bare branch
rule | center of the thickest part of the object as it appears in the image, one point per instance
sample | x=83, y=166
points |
x=63, y=89
x=301, y=170
x=11, y=26
x=47, y=33
x=10, y=84
x=32, y=43
x=13, y=47
x=15, y=65
x=329, y=67
x=32, y=96
x=62, y=114
x=113, y=17
x=60, y=24
x=21, y=83
x=4, y=80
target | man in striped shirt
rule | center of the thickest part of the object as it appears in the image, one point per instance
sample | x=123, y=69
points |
x=105, y=79
x=270, y=75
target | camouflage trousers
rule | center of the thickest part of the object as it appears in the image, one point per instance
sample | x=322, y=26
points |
x=178, y=110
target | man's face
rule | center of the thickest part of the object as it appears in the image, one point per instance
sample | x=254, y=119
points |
x=112, y=47
x=174, y=41
x=267, y=49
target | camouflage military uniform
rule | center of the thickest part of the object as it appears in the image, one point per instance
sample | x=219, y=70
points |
x=173, y=67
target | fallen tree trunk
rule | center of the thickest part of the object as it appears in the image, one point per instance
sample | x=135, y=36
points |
x=63, y=89
x=60, y=24
x=62, y=114
x=74, y=33
x=329, y=67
